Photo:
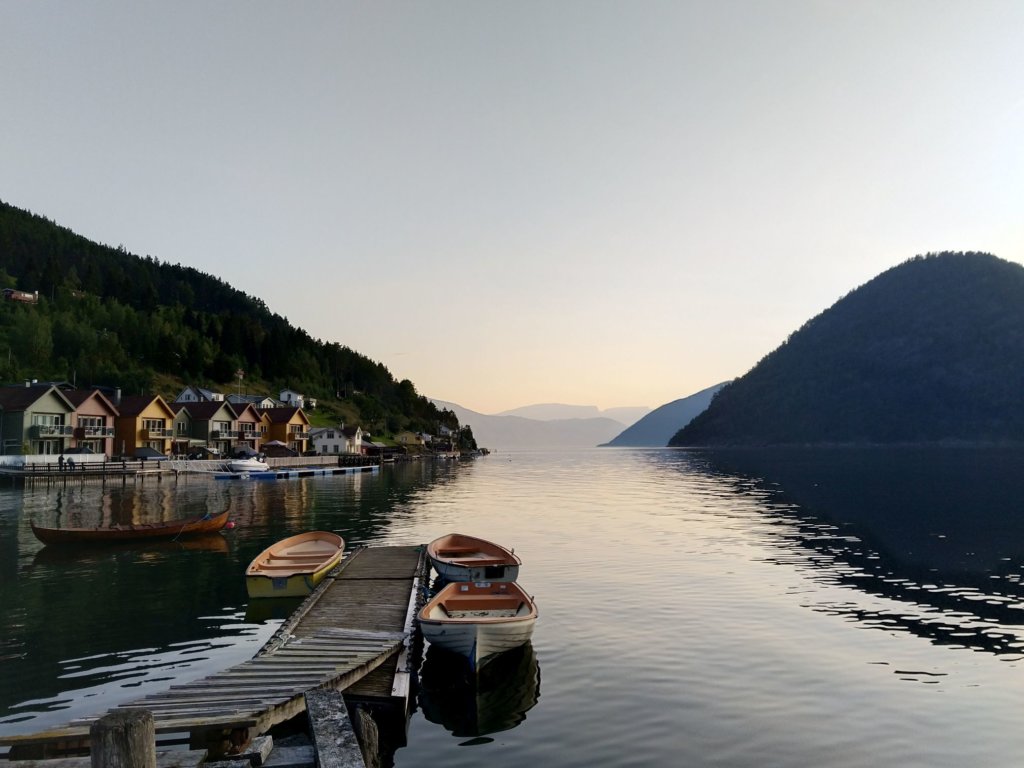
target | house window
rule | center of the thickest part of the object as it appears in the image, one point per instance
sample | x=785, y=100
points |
x=152, y=423
x=48, y=419
x=90, y=422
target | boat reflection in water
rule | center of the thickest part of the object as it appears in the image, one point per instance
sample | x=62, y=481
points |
x=473, y=704
x=271, y=609
x=91, y=551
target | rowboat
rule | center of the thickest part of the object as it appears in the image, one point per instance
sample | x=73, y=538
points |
x=170, y=529
x=479, y=619
x=294, y=566
x=457, y=557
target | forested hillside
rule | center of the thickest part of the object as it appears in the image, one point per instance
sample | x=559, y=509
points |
x=107, y=317
x=929, y=351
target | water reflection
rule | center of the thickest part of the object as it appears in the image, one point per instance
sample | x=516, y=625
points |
x=935, y=535
x=104, y=610
x=475, y=704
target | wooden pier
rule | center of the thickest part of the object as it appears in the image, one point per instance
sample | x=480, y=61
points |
x=354, y=634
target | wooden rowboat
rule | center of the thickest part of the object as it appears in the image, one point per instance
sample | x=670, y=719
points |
x=294, y=566
x=170, y=529
x=457, y=557
x=479, y=619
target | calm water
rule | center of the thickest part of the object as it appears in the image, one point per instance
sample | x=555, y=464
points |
x=825, y=608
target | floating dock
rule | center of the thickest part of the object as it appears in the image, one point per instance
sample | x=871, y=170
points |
x=287, y=474
x=354, y=634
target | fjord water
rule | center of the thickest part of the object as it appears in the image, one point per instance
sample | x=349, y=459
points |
x=781, y=608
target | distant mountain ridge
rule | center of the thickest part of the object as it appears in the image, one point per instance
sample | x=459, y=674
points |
x=501, y=432
x=657, y=428
x=930, y=351
x=551, y=411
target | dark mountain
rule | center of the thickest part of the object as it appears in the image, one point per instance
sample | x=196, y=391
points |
x=929, y=351
x=105, y=316
x=657, y=428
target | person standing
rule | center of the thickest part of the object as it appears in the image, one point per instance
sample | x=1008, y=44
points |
x=60, y=462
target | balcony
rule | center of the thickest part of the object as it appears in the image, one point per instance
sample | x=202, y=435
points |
x=51, y=430
x=224, y=434
x=295, y=436
x=157, y=433
x=94, y=432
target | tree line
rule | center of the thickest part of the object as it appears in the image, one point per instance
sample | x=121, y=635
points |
x=105, y=316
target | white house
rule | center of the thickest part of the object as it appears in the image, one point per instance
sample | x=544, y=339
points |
x=334, y=440
x=192, y=394
x=256, y=401
x=293, y=399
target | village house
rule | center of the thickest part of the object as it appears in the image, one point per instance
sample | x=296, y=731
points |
x=35, y=419
x=336, y=440
x=94, y=420
x=289, y=426
x=145, y=421
x=10, y=294
x=191, y=394
x=251, y=426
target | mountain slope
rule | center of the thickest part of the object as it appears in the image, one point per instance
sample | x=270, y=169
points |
x=657, y=428
x=105, y=316
x=515, y=432
x=929, y=351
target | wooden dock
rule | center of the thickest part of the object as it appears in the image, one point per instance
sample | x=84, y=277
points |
x=353, y=634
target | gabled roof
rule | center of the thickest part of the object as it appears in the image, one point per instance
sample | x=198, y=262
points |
x=350, y=431
x=206, y=411
x=133, y=405
x=77, y=398
x=241, y=408
x=21, y=398
x=284, y=415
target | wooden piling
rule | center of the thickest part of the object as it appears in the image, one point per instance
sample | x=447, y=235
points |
x=334, y=740
x=124, y=738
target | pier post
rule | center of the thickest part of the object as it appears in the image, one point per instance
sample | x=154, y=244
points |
x=124, y=738
x=334, y=739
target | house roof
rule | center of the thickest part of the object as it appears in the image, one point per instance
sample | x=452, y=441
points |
x=78, y=396
x=204, y=411
x=284, y=415
x=21, y=398
x=133, y=405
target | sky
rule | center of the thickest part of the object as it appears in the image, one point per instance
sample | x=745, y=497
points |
x=584, y=202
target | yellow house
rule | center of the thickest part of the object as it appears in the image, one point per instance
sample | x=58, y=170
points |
x=287, y=425
x=145, y=421
x=410, y=439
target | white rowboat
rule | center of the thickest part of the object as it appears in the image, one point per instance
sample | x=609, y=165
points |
x=479, y=619
x=457, y=557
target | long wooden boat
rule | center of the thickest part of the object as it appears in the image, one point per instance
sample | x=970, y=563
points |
x=479, y=619
x=170, y=529
x=458, y=557
x=294, y=566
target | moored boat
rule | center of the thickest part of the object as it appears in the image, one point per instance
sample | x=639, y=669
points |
x=458, y=557
x=479, y=619
x=170, y=529
x=247, y=465
x=294, y=566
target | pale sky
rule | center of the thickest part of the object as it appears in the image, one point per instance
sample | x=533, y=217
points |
x=595, y=203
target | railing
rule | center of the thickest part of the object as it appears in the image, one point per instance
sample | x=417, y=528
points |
x=298, y=435
x=52, y=430
x=82, y=432
x=157, y=433
x=224, y=434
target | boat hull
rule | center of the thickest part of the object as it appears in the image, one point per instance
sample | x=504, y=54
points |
x=172, y=529
x=457, y=557
x=293, y=567
x=479, y=620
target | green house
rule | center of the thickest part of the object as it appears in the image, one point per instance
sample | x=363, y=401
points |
x=34, y=419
